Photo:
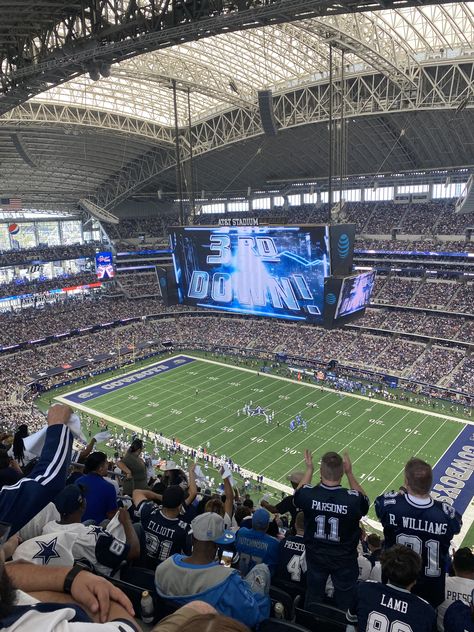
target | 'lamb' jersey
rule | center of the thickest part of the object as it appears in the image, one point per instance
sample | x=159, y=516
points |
x=331, y=516
x=385, y=607
x=425, y=525
x=163, y=536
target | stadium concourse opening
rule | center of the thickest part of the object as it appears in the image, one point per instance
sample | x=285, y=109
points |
x=236, y=316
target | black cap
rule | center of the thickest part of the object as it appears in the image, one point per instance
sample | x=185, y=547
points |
x=69, y=499
x=173, y=497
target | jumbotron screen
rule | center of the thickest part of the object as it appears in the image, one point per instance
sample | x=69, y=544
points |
x=261, y=270
x=104, y=265
x=355, y=293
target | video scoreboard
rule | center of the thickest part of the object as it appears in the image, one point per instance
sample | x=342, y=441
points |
x=301, y=273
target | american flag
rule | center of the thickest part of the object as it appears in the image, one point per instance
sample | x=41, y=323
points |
x=8, y=204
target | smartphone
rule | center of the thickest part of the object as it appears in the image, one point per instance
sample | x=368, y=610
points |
x=226, y=558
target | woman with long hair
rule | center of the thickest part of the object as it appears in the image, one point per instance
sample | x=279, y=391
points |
x=18, y=445
x=134, y=468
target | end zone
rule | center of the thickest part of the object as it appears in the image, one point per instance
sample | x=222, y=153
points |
x=88, y=393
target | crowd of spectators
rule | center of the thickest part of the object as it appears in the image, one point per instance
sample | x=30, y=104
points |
x=414, y=321
x=399, y=354
x=73, y=313
x=417, y=245
x=36, y=286
x=452, y=296
x=199, y=552
x=395, y=290
x=424, y=220
x=463, y=377
x=139, y=284
x=133, y=228
x=366, y=350
x=48, y=253
x=463, y=299
x=435, y=364
x=434, y=294
x=348, y=346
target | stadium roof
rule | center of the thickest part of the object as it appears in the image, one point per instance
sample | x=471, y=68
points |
x=409, y=79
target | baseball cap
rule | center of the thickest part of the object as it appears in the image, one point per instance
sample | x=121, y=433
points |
x=209, y=527
x=260, y=519
x=173, y=497
x=69, y=499
x=169, y=465
x=295, y=477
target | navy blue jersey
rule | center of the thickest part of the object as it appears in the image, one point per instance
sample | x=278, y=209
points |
x=163, y=536
x=331, y=517
x=289, y=567
x=425, y=525
x=458, y=618
x=287, y=505
x=19, y=503
x=387, y=608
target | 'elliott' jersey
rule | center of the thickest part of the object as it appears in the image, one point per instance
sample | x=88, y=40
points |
x=331, y=516
x=163, y=536
x=387, y=608
x=425, y=525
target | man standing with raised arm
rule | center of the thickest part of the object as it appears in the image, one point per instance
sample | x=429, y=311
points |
x=425, y=525
x=332, y=514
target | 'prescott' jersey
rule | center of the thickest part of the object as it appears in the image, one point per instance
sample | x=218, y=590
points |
x=425, y=525
x=163, y=536
x=331, y=517
x=388, y=608
x=289, y=567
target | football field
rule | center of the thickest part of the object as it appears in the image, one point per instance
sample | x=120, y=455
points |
x=199, y=402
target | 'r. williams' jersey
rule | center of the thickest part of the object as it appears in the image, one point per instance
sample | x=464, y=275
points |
x=385, y=607
x=425, y=525
x=163, y=536
x=331, y=516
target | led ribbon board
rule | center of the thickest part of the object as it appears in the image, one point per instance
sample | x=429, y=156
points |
x=259, y=270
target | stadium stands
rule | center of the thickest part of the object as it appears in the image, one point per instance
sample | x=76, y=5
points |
x=52, y=253
x=23, y=286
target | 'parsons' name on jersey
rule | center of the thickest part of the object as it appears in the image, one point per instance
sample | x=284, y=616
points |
x=332, y=507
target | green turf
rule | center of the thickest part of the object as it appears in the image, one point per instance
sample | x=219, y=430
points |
x=198, y=402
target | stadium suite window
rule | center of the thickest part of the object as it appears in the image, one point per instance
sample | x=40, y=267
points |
x=71, y=232
x=413, y=188
x=294, y=200
x=26, y=236
x=238, y=207
x=451, y=190
x=48, y=233
x=213, y=208
x=4, y=237
x=379, y=194
x=262, y=204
